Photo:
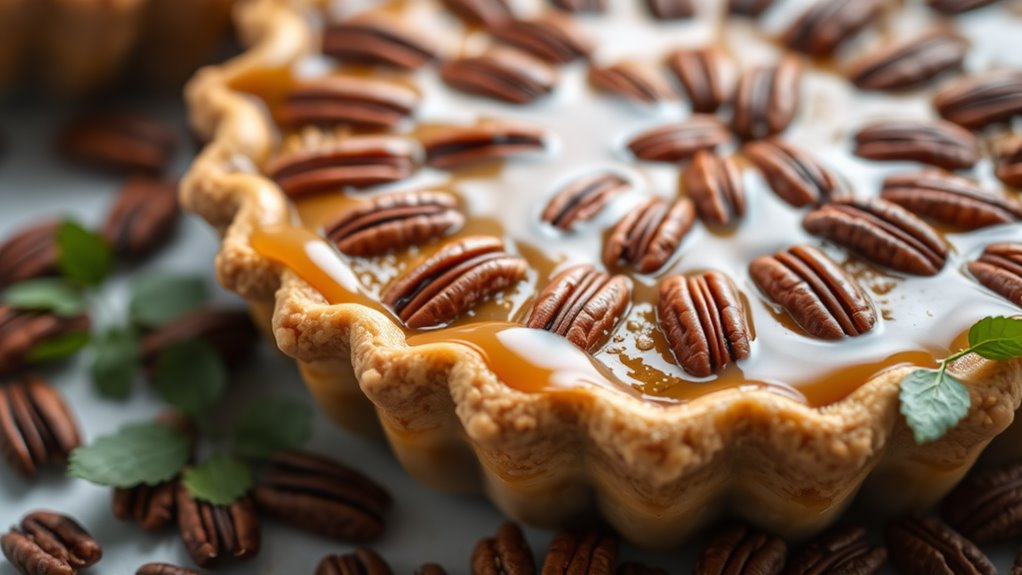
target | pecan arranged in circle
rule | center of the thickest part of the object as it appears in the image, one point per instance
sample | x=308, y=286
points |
x=36, y=425
x=741, y=549
x=841, y=551
x=501, y=73
x=231, y=333
x=671, y=9
x=937, y=143
x=980, y=100
x=926, y=545
x=1007, y=163
x=882, y=232
x=29, y=253
x=987, y=506
x=164, y=569
x=715, y=185
x=143, y=217
x=826, y=24
x=751, y=8
x=593, y=552
x=361, y=561
x=583, y=198
x=48, y=543
x=347, y=100
x=374, y=38
x=957, y=6
x=908, y=63
x=766, y=99
x=551, y=38
x=703, y=73
x=485, y=12
x=452, y=281
x=356, y=162
x=648, y=236
x=491, y=140
x=151, y=507
x=1000, y=270
x=211, y=532
x=704, y=321
x=816, y=292
x=22, y=330
x=394, y=222
x=630, y=81
x=582, y=304
x=679, y=141
x=580, y=5
x=507, y=553
x=120, y=142
x=794, y=175
x=950, y=200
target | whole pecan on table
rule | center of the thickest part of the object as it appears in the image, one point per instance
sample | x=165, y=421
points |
x=909, y=63
x=630, y=81
x=715, y=185
x=378, y=39
x=48, y=543
x=950, y=200
x=582, y=304
x=926, y=546
x=741, y=549
x=143, y=217
x=503, y=74
x=393, y=222
x=485, y=12
x=999, y=268
x=647, y=237
x=704, y=74
x=164, y=569
x=978, y=100
x=593, y=552
x=583, y=198
x=827, y=24
x=230, y=332
x=680, y=140
x=347, y=100
x=552, y=38
x=1008, y=161
x=767, y=99
x=37, y=426
x=792, y=173
x=22, y=330
x=486, y=141
x=120, y=142
x=933, y=142
x=987, y=506
x=29, y=252
x=840, y=551
x=362, y=561
x=505, y=554
x=211, y=532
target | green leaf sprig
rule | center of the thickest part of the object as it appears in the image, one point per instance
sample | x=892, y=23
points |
x=137, y=454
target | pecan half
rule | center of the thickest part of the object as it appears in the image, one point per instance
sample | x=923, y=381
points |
x=937, y=143
x=999, y=268
x=347, y=100
x=987, y=506
x=924, y=545
x=752, y=8
x=766, y=99
x=630, y=81
x=119, y=142
x=816, y=292
x=151, y=507
x=231, y=333
x=982, y=99
x=715, y=186
x=844, y=551
x=362, y=561
x=633, y=568
x=506, y=554
x=742, y=550
x=375, y=38
x=551, y=38
x=680, y=140
x=322, y=496
x=908, y=63
x=22, y=330
x=582, y=304
x=594, y=6
x=210, y=532
x=29, y=252
x=671, y=9
x=882, y=232
x=143, y=217
x=592, y=552
x=703, y=73
x=704, y=321
x=486, y=141
x=394, y=222
x=648, y=236
x=794, y=175
x=957, y=6
x=1007, y=163
x=827, y=24
x=48, y=543
x=452, y=281
x=357, y=162
x=950, y=200
x=485, y=12
x=583, y=198
x=164, y=569
x=36, y=426
x=502, y=74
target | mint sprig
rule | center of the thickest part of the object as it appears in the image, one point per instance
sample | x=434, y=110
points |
x=220, y=480
x=46, y=294
x=191, y=377
x=140, y=453
x=83, y=256
x=115, y=362
x=160, y=298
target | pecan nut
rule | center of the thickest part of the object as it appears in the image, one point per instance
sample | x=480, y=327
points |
x=322, y=496
x=882, y=232
x=48, y=543
x=957, y=6
x=844, y=551
x=1007, y=161
x=357, y=162
x=816, y=292
x=648, y=236
x=493, y=140
x=704, y=321
x=376, y=38
x=987, y=506
x=452, y=281
x=767, y=99
x=22, y=330
x=703, y=73
x=918, y=545
x=593, y=6
x=999, y=268
x=582, y=304
x=485, y=12
x=583, y=198
x=502, y=74
x=36, y=425
x=979, y=100
x=143, y=217
x=119, y=142
x=231, y=333
x=679, y=141
x=950, y=200
x=671, y=9
x=630, y=81
x=593, y=552
x=751, y=8
x=362, y=561
x=715, y=186
x=210, y=532
x=908, y=63
x=29, y=253
x=794, y=175
x=347, y=100
x=742, y=550
x=506, y=554
x=937, y=143
x=826, y=24
x=152, y=507
x=164, y=569
x=394, y=222
x=551, y=38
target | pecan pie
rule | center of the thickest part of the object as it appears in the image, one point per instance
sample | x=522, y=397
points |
x=629, y=256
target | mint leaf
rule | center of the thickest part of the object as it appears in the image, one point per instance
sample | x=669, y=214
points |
x=292, y=425
x=221, y=480
x=932, y=402
x=148, y=453
x=191, y=376
x=997, y=338
x=115, y=362
x=83, y=256
x=58, y=347
x=46, y=294
x=160, y=298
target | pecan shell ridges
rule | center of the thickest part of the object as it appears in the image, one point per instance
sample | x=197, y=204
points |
x=377, y=40
x=679, y=141
x=582, y=304
x=590, y=551
x=767, y=99
x=502, y=74
x=628, y=81
x=934, y=142
x=927, y=545
x=909, y=63
x=701, y=73
x=1008, y=161
x=507, y=552
x=792, y=174
x=979, y=100
x=29, y=253
x=458, y=147
x=37, y=426
x=551, y=38
x=212, y=532
x=844, y=551
x=485, y=12
x=648, y=236
x=999, y=268
x=950, y=200
x=715, y=185
x=348, y=100
x=394, y=222
x=987, y=507
x=583, y=198
x=742, y=549
x=361, y=561
x=356, y=162
x=827, y=24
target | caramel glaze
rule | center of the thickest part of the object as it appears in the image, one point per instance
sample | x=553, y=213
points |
x=915, y=327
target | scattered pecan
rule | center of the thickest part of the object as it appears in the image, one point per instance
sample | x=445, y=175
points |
x=36, y=425
x=794, y=175
x=143, y=217
x=752, y=8
x=827, y=24
x=210, y=532
x=357, y=162
x=957, y=6
x=817, y=293
x=48, y=543
x=648, y=236
x=671, y=9
x=30, y=252
x=120, y=142
x=492, y=140
x=485, y=12
x=583, y=198
x=394, y=222
x=715, y=186
x=882, y=232
x=552, y=38
x=934, y=142
x=151, y=507
x=501, y=73
x=376, y=38
x=741, y=550
x=633, y=568
x=630, y=81
x=164, y=569
x=1007, y=161
x=347, y=100
x=592, y=552
x=979, y=100
x=594, y=6
x=231, y=333
x=362, y=561
x=950, y=200
x=1000, y=270
x=506, y=554
x=452, y=281
x=908, y=63
x=704, y=321
x=680, y=140
x=430, y=569
x=582, y=304
x=703, y=73
x=926, y=546
x=844, y=551
x=766, y=99
x=987, y=506
x=22, y=330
